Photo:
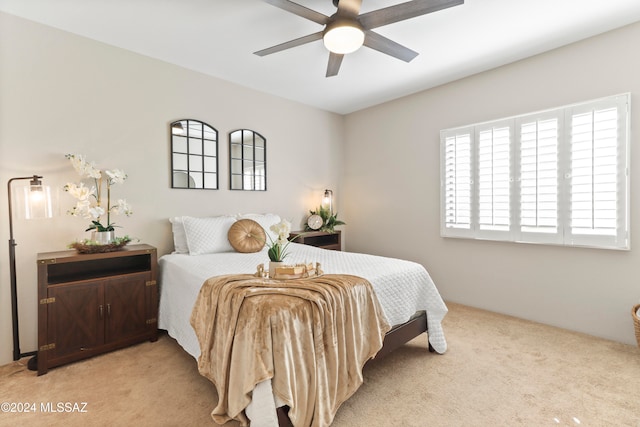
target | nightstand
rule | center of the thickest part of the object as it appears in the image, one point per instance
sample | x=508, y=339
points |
x=320, y=239
x=89, y=304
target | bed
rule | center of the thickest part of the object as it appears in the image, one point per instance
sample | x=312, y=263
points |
x=404, y=289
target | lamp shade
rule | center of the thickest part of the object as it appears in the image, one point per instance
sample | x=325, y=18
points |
x=37, y=201
x=327, y=201
x=343, y=36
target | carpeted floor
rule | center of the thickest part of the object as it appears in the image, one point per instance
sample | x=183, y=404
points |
x=498, y=371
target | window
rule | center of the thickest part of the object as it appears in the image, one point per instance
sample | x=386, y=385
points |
x=494, y=176
x=457, y=164
x=558, y=177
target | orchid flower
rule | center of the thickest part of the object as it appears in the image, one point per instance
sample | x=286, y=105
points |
x=95, y=209
x=278, y=248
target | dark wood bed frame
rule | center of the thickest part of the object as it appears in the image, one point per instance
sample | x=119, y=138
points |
x=395, y=338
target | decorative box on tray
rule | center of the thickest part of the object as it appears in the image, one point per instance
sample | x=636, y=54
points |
x=283, y=271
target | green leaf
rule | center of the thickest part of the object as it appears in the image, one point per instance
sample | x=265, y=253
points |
x=329, y=221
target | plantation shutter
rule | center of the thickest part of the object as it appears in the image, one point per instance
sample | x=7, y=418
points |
x=559, y=176
x=598, y=173
x=494, y=180
x=456, y=193
x=538, y=177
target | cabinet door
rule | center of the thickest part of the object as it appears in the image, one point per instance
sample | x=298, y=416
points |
x=76, y=322
x=125, y=299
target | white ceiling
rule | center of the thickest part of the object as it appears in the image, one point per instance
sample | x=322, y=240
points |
x=217, y=37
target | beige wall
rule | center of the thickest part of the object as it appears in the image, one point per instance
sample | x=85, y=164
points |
x=392, y=189
x=65, y=94
x=60, y=94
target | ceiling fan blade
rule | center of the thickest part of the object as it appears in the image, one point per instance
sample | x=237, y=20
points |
x=300, y=10
x=402, y=11
x=385, y=45
x=288, y=45
x=335, y=60
x=349, y=7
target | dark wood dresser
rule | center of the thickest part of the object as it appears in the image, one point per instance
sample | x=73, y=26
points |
x=89, y=304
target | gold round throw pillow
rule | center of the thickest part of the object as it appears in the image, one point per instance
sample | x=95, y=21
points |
x=246, y=236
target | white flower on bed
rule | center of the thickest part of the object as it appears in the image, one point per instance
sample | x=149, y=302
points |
x=282, y=229
x=278, y=248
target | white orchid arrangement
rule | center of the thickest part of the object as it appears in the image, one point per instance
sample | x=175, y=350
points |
x=278, y=248
x=89, y=203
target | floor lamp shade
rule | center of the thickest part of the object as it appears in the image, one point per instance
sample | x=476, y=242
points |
x=37, y=204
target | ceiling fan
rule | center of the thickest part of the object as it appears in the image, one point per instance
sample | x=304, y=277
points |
x=347, y=30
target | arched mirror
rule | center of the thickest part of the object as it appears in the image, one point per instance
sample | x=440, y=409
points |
x=248, y=160
x=194, y=155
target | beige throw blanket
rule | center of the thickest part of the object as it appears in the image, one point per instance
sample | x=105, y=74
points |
x=310, y=336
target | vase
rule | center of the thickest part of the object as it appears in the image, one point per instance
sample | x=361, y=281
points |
x=272, y=267
x=103, y=237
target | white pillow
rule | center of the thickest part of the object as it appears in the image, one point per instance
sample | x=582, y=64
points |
x=208, y=235
x=179, y=237
x=266, y=221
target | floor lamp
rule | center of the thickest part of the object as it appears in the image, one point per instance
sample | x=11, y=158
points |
x=37, y=205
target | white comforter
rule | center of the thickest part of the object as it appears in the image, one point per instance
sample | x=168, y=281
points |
x=402, y=287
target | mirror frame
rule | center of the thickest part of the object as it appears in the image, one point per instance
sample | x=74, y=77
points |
x=198, y=151
x=245, y=161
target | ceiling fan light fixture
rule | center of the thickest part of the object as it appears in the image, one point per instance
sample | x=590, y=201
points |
x=343, y=36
